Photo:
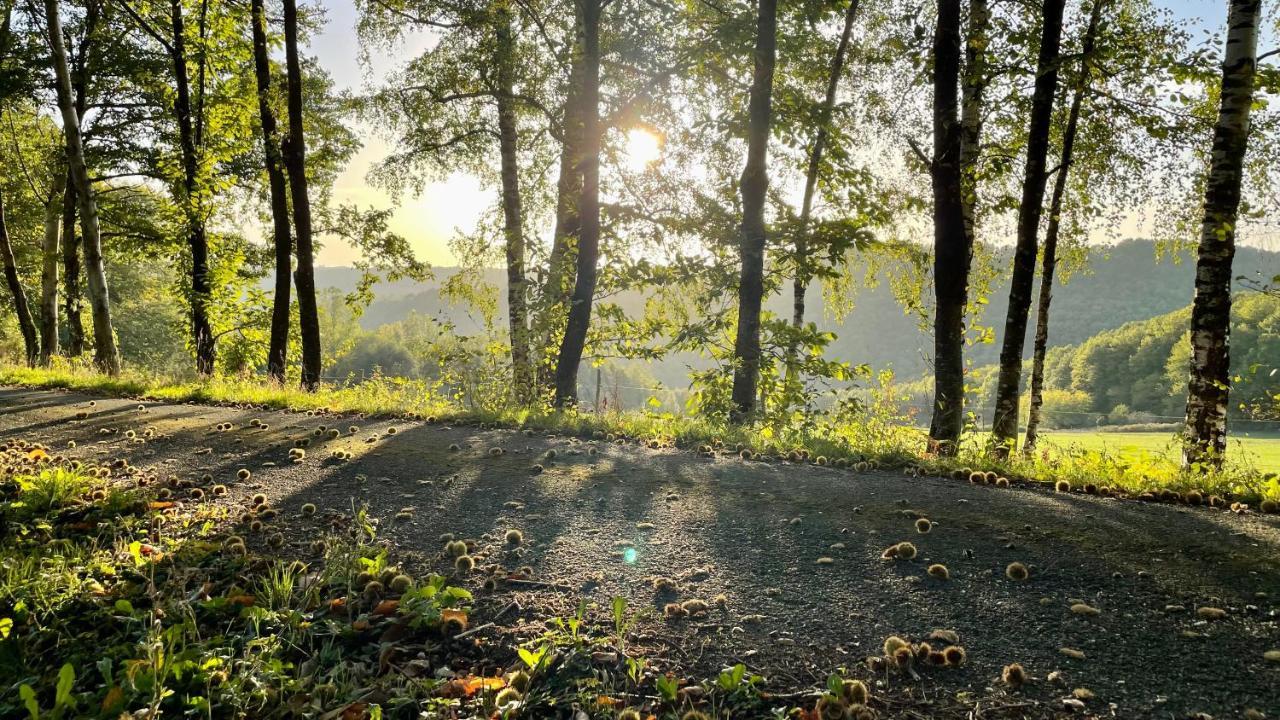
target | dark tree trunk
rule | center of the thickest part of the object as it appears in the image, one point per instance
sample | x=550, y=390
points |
x=30, y=341
x=71, y=274
x=70, y=238
x=584, y=287
x=278, y=350
x=561, y=262
x=952, y=241
x=49, y=257
x=754, y=186
x=1049, y=255
x=521, y=369
x=1008, y=384
x=106, y=356
x=295, y=159
x=973, y=87
x=197, y=239
x=803, y=273
x=1205, y=436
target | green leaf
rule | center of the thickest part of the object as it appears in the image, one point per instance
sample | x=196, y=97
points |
x=29, y=700
x=66, y=678
x=6, y=626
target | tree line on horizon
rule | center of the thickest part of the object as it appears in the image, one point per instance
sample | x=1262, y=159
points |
x=792, y=154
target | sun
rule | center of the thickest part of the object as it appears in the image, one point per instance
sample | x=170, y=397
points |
x=643, y=148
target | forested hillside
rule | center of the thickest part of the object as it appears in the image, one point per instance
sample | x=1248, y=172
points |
x=1136, y=373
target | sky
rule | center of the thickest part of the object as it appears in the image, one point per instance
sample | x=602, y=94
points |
x=428, y=220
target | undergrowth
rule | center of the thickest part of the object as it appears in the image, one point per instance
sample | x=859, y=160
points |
x=874, y=436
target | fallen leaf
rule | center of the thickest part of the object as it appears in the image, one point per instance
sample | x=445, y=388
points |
x=386, y=607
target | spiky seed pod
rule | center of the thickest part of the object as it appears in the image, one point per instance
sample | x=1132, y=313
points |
x=939, y=571
x=309, y=509
x=373, y=589
x=1013, y=675
x=1210, y=613
x=855, y=692
x=490, y=584
x=400, y=584
x=977, y=478
x=923, y=526
x=258, y=499
x=514, y=537
x=629, y=714
x=1002, y=482
x=1090, y=489
x=197, y=494
x=954, y=655
x=936, y=658
x=319, y=546
x=890, y=553
x=464, y=564
x=256, y=526
x=904, y=658
x=243, y=473
x=237, y=549
x=1017, y=571
x=275, y=540
x=495, y=451
x=1193, y=497
x=364, y=578
x=1269, y=506
x=829, y=707
x=1085, y=610
x=694, y=715
x=519, y=680
x=456, y=548
x=906, y=551
x=673, y=610
x=892, y=643
x=353, y=429
x=1062, y=486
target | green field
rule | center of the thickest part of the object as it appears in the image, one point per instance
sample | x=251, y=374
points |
x=1263, y=448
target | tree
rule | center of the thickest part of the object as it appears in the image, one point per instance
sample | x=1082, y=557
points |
x=801, y=283
x=588, y=250
x=952, y=236
x=106, y=356
x=1205, y=435
x=295, y=159
x=49, y=258
x=281, y=240
x=513, y=230
x=754, y=185
x=20, y=307
x=1005, y=423
x=1049, y=255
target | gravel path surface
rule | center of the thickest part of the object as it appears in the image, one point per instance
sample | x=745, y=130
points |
x=794, y=549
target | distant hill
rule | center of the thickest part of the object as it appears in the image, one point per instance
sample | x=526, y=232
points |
x=1123, y=283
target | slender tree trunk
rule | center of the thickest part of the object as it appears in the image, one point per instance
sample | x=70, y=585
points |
x=1049, y=255
x=106, y=357
x=973, y=87
x=754, y=185
x=71, y=273
x=30, y=341
x=295, y=159
x=561, y=262
x=70, y=238
x=801, y=283
x=1009, y=381
x=952, y=240
x=518, y=314
x=197, y=239
x=1205, y=436
x=49, y=258
x=278, y=350
x=584, y=288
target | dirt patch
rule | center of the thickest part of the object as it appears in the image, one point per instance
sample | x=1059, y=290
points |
x=795, y=551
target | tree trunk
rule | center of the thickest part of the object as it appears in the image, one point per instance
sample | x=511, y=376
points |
x=197, y=239
x=521, y=370
x=801, y=283
x=952, y=240
x=1205, y=436
x=49, y=257
x=30, y=342
x=584, y=287
x=561, y=262
x=278, y=350
x=1008, y=383
x=106, y=357
x=754, y=186
x=71, y=273
x=1049, y=255
x=295, y=159
x=974, y=86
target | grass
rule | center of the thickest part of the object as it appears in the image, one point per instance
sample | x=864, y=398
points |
x=1260, y=448
x=891, y=442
